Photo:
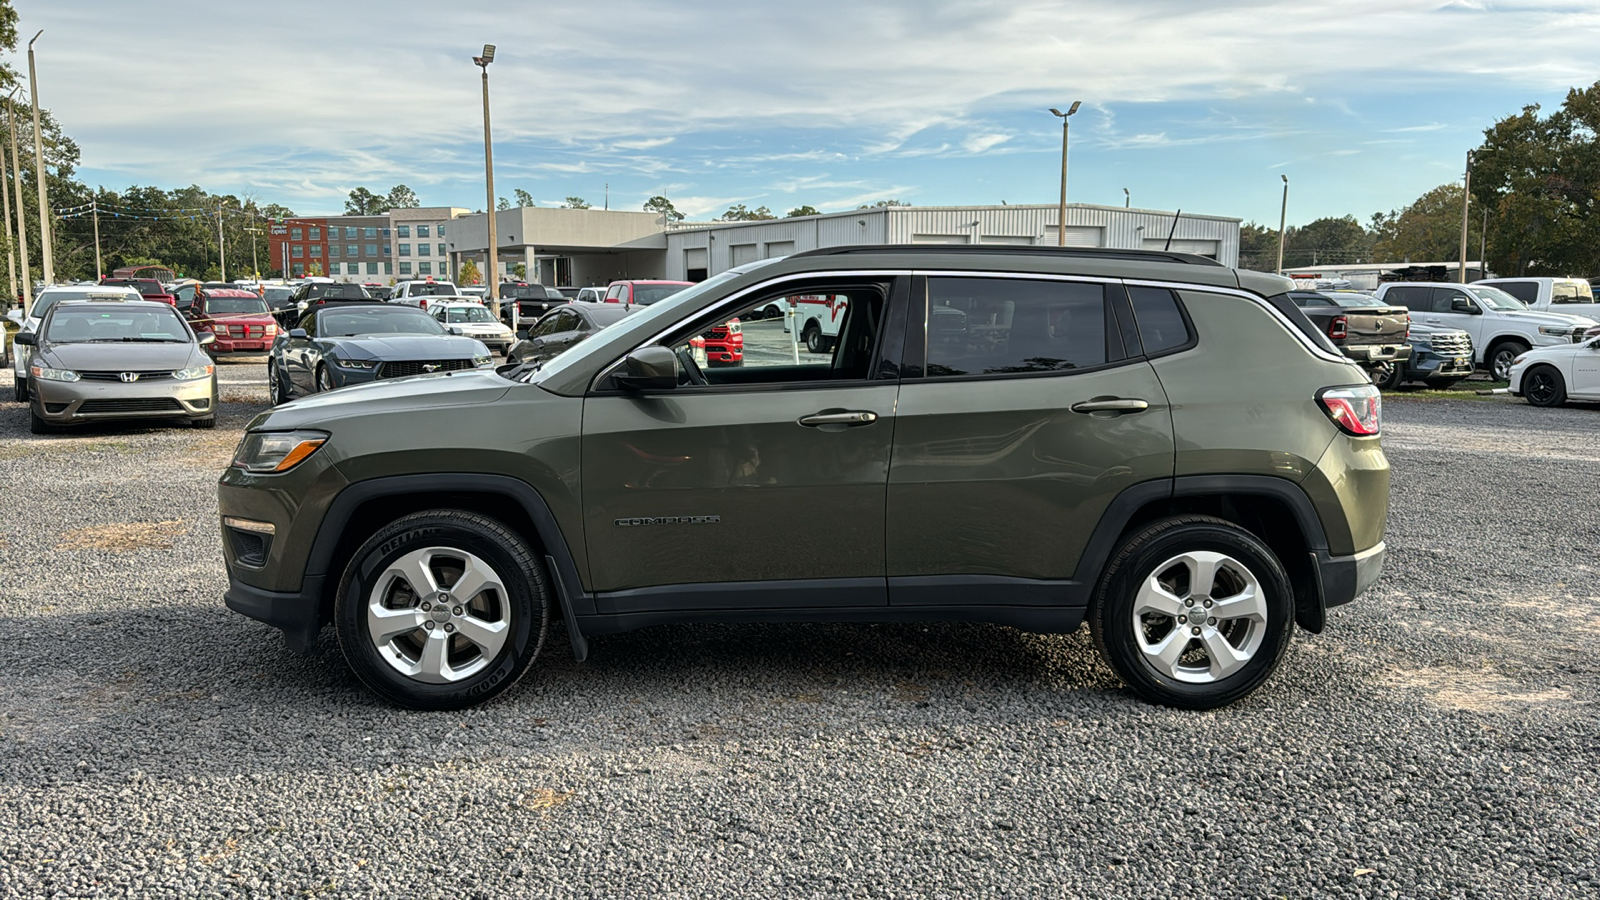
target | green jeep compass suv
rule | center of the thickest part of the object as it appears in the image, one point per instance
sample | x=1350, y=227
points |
x=1029, y=437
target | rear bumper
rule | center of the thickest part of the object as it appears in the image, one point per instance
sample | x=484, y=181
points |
x=1345, y=578
x=1379, y=353
x=297, y=614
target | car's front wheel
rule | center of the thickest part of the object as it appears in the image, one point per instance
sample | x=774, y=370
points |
x=275, y=385
x=1501, y=356
x=1193, y=612
x=442, y=610
x=1387, y=376
x=1543, y=386
x=19, y=391
x=324, y=379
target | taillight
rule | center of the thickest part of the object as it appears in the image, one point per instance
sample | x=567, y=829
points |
x=1338, y=328
x=1357, y=410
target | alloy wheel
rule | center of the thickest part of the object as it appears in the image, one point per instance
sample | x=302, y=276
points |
x=438, y=615
x=1199, y=617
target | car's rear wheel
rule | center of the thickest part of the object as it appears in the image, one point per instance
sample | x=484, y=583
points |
x=1387, y=376
x=442, y=610
x=324, y=379
x=815, y=342
x=1502, y=355
x=1193, y=612
x=1544, y=386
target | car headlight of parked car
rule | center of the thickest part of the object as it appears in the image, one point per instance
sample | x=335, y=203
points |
x=193, y=372
x=1556, y=330
x=362, y=364
x=482, y=361
x=277, y=451
x=46, y=374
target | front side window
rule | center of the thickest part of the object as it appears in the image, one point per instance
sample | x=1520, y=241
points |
x=836, y=336
x=1005, y=326
x=1499, y=299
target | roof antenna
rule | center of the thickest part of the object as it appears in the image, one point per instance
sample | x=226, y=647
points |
x=1174, y=229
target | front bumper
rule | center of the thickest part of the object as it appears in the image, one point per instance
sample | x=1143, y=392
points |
x=297, y=614
x=66, y=403
x=240, y=345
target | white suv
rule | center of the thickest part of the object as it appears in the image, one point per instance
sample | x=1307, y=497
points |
x=1502, y=327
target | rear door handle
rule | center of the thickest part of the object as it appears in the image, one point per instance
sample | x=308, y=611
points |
x=1113, y=405
x=852, y=417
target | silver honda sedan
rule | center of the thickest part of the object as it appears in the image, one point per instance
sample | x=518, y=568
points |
x=94, y=362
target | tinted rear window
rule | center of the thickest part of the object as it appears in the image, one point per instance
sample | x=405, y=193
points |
x=1002, y=326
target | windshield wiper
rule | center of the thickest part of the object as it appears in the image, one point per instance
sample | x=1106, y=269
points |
x=137, y=340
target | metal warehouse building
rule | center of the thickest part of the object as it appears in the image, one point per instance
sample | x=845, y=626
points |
x=700, y=250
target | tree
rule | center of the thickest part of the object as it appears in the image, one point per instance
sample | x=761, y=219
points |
x=469, y=273
x=1327, y=240
x=575, y=203
x=802, y=211
x=1427, y=230
x=662, y=206
x=363, y=202
x=523, y=197
x=738, y=213
x=883, y=203
x=1258, y=247
x=312, y=268
x=1540, y=179
x=503, y=204
x=402, y=197
x=521, y=271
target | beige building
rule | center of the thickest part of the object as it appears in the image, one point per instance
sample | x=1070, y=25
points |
x=564, y=247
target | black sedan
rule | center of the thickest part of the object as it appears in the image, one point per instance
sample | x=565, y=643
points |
x=341, y=344
x=563, y=327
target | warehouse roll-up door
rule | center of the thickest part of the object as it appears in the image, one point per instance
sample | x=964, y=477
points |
x=1077, y=236
x=695, y=264
x=779, y=248
x=1201, y=248
x=938, y=239
x=743, y=253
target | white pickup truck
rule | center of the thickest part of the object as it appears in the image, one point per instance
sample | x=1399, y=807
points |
x=1502, y=327
x=1572, y=296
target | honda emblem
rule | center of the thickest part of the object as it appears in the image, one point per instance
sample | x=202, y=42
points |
x=129, y=377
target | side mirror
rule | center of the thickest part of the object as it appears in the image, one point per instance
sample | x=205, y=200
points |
x=298, y=333
x=649, y=369
x=26, y=339
x=207, y=337
x=455, y=329
x=1463, y=305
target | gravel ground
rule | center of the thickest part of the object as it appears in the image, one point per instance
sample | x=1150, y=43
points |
x=1439, y=740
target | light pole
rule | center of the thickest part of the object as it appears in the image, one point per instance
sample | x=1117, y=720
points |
x=222, y=248
x=1061, y=216
x=1127, y=199
x=493, y=275
x=1466, y=202
x=1283, y=218
x=11, y=239
x=38, y=169
x=22, y=223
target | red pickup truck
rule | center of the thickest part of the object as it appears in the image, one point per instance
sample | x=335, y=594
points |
x=149, y=288
x=239, y=319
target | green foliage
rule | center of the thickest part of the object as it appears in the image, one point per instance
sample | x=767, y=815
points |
x=737, y=213
x=662, y=206
x=402, y=197
x=1540, y=179
x=802, y=211
x=469, y=273
x=882, y=204
x=575, y=203
x=1327, y=240
x=503, y=204
x=363, y=202
x=523, y=197
x=1258, y=247
x=1428, y=230
x=521, y=271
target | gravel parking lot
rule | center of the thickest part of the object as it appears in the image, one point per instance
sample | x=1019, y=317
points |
x=1439, y=740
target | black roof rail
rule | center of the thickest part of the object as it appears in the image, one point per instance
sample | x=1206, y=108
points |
x=1191, y=259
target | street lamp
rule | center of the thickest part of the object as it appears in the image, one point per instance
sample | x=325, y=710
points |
x=38, y=169
x=1127, y=199
x=1061, y=217
x=22, y=223
x=1283, y=217
x=1466, y=202
x=493, y=274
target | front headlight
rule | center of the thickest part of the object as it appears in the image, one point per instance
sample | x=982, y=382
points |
x=45, y=374
x=1556, y=330
x=482, y=361
x=1519, y=360
x=354, y=363
x=277, y=451
x=193, y=372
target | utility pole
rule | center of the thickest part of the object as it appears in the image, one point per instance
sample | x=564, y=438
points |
x=38, y=168
x=255, y=269
x=22, y=225
x=11, y=238
x=1466, y=202
x=1061, y=215
x=493, y=275
x=222, y=248
x=99, y=272
x=1283, y=218
x=1483, y=244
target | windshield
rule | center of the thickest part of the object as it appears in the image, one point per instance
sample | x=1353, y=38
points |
x=276, y=294
x=221, y=305
x=521, y=292
x=433, y=289
x=467, y=314
x=337, y=292
x=1496, y=298
x=1355, y=298
x=82, y=326
x=657, y=315
x=400, y=320
x=43, y=302
x=1571, y=292
x=646, y=294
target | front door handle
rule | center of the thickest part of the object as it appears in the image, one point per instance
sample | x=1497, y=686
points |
x=1111, y=405
x=852, y=417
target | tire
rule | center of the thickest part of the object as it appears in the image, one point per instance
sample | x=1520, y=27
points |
x=1387, y=377
x=38, y=425
x=1500, y=357
x=1136, y=627
x=278, y=393
x=517, y=600
x=812, y=334
x=20, y=390
x=324, y=380
x=1544, y=386
x=207, y=422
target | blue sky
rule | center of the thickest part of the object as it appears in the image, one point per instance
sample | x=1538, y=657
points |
x=1364, y=105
